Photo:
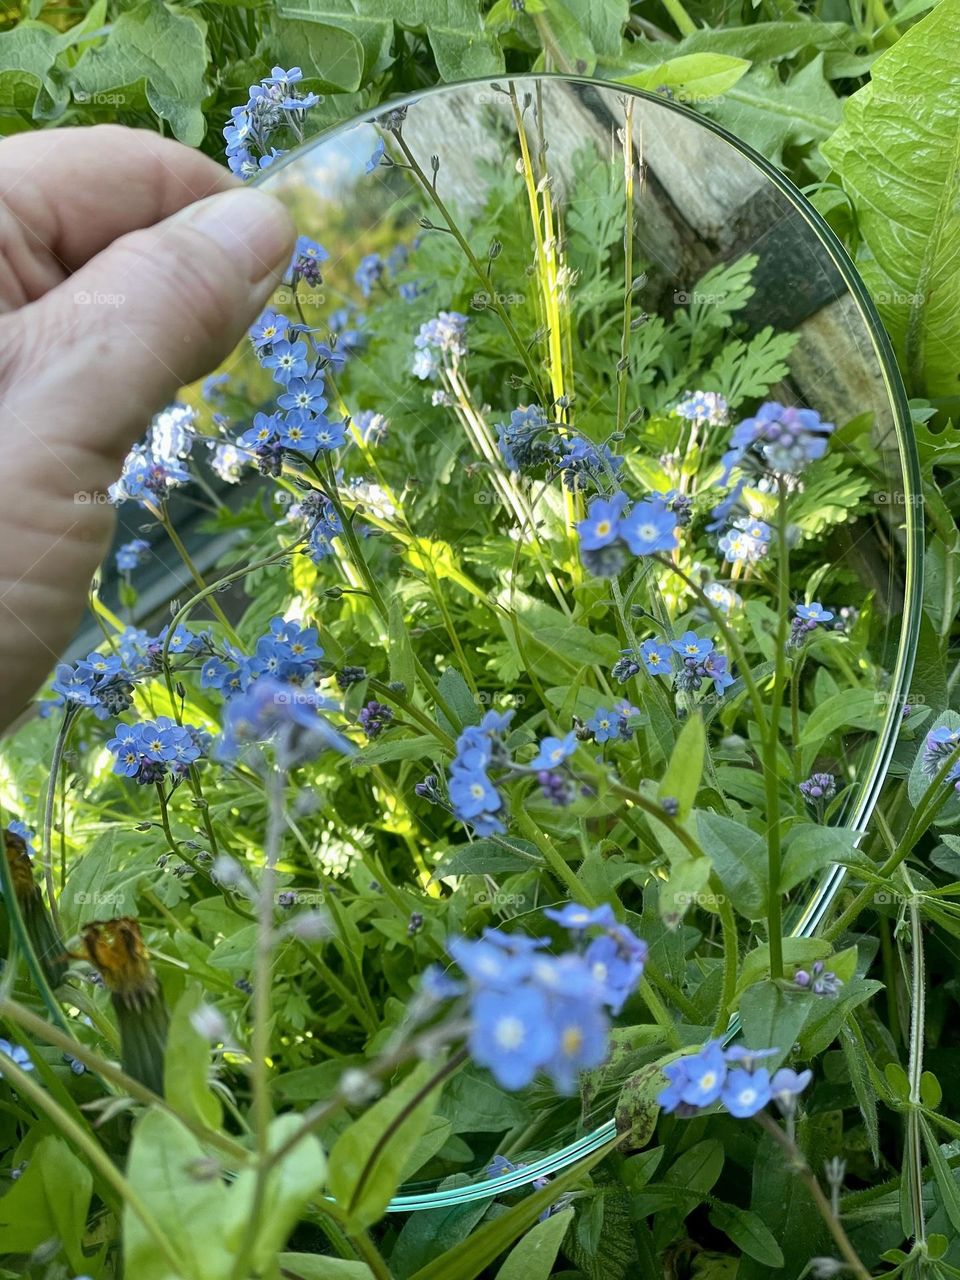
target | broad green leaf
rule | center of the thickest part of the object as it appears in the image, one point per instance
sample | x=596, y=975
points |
x=796, y=952
x=919, y=781
x=770, y=113
x=489, y=857
x=329, y=55
x=460, y=44
x=50, y=1199
x=367, y=20
x=773, y=1019
x=809, y=849
x=164, y=1170
x=570, y=46
x=456, y=694
x=682, y=778
x=363, y=1189
x=467, y=1260
x=843, y=712
x=898, y=155
x=160, y=48
x=292, y=1183
x=830, y=1014
x=533, y=1257
x=691, y=76
x=748, y=1231
x=186, y=1065
x=739, y=858
x=686, y=887
x=315, y=1266
x=29, y=84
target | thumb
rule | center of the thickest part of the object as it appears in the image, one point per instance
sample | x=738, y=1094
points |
x=88, y=364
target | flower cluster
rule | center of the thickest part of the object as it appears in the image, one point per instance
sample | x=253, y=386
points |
x=157, y=464
x=609, y=726
x=299, y=423
x=706, y=408
x=820, y=980
x=691, y=660
x=610, y=530
x=445, y=335
x=274, y=104
x=147, y=750
x=286, y=651
x=808, y=618
x=533, y=1011
x=99, y=681
x=286, y=714
x=732, y=1077
x=131, y=554
x=746, y=541
x=818, y=790
x=474, y=798
x=940, y=744
x=780, y=438
x=530, y=440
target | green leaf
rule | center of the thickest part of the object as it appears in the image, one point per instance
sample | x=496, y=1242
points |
x=771, y=114
x=682, y=778
x=637, y=1108
x=569, y=44
x=292, y=1183
x=456, y=694
x=773, y=1019
x=850, y=709
x=696, y=76
x=534, y=1256
x=488, y=857
x=331, y=57
x=366, y=20
x=467, y=1260
x=898, y=155
x=160, y=48
x=186, y=1064
x=315, y=1266
x=739, y=858
x=946, y=1178
x=748, y=1232
x=686, y=887
x=810, y=848
x=363, y=1202
x=919, y=781
x=189, y=1209
x=29, y=84
x=461, y=46
x=50, y=1199
x=402, y=666
x=796, y=951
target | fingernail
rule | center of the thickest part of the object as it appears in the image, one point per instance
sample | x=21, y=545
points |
x=254, y=228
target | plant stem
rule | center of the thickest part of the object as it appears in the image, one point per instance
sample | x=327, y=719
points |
x=798, y=1163
x=771, y=774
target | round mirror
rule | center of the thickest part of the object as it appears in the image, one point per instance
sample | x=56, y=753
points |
x=573, y=433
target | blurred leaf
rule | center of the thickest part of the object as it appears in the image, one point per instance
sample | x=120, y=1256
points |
x=187, y=1064
x=533, y=1257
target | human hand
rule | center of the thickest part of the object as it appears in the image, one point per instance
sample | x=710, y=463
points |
x=116, y=290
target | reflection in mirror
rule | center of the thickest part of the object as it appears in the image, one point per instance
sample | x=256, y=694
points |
x=575, y=483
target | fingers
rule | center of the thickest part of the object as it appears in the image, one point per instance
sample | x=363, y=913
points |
x=89, y=363
x=65, y=194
